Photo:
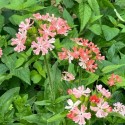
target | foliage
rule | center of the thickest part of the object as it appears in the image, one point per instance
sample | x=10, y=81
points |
x=24, y=79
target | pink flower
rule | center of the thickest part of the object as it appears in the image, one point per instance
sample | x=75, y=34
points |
x=37, y=16
x=19, y=41
x=75, y=53
x=60, y=26
x=63, y=55
x=79, y=116
x=103, y=91
x=113, y=79
x=80, y=91
x=46, y=32
x=25, y=25
x=102, y=109
x=42, y=45
x=119, y=108
x=72, y=105
x=68, y=76
x=1, y=53
x=91, y=66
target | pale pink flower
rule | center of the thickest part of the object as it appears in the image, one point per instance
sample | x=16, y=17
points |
x=68, y=76
x=1, y=53
x=81, y=115
x=82, y=63
x=19, y=41
x=78, y=41
x=71, y=104
x=102, y=109
x=81, y=91
x=46, y=32
x=42, y=45
x=25, y=25
x=119, y=108
x=103, y=91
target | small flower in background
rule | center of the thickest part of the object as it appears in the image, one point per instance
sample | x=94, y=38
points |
x=1, y=53
x=113, y=79
x=67, y=76
x=119, y=108
x=79, y=116
x=102, y=109
x=103, y=91
x=72, y=105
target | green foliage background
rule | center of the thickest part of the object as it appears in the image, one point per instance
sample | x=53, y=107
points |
x=25, y=99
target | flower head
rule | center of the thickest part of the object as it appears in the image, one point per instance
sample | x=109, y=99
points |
x=68, y=76
x=1, y=53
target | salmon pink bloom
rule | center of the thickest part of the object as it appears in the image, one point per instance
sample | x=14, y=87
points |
x=91, y=66
x=68, y=76
x=1, y=53
x=79, y=116
x=37, y=16
x=46, y=32
x=102, y=109
x=42, y=45
x=63, y=55
x=103, y=91
x=72, y=105
x=113, y=79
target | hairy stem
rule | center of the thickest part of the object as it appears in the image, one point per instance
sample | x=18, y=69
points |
x=49, y=76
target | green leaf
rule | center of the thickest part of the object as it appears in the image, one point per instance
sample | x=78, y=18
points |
x=5, y=77
x=19, y=62
x=96, y=28
x=32, y=118
x=58, y=1
x=44, y=102
x=37, y=65
x=110, y=68
x=57, y=117
x=61, y=99
x=8, y=95
x=3, y=3
x=109, y=32
x=107, y=3
x=68, y=3
x=71, y=69
x=10, y=30
x=35, y=76
x=15, y=5
x=23, y=73
x=16, y=19
x=1, y=22
x=119, y=16
x=84, y=13
x=95, y=6
x=95, y=18
x=68, y=17
x=3, y=68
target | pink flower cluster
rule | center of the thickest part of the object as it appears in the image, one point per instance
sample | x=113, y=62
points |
x=82, y=100
x=85, y=52
x=21, y=36
x=113, y=79
x=119, y=108
x=48, y=28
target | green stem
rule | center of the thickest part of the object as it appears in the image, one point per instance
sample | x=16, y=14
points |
x=50, y=81
x=80, y=75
